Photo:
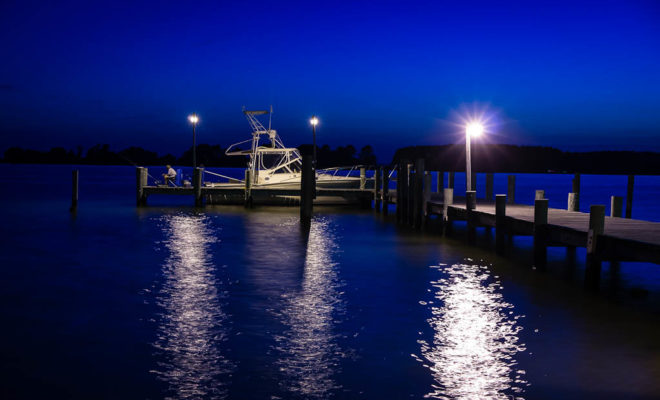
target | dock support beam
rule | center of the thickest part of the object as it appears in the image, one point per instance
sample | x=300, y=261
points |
x=576, y=190
x=596, y=228
x=377, y=181
x=511, y=189
x=418, y=195
x=386, y=190
x=489, y=186
x=452, y=180
x=500, y=222
x=141, y=174
x=540, y=232
x=410, y=196
x=447, y=200
x=440, y=181
x=470, y=205
x=616, y=206
x=629, y=196
x=197, y=186
x=402, y=191
x=363, y=178
x=74, y=190
x=427, y=197
x=307, y=188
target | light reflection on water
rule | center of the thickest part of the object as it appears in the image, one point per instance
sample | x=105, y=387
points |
x=309, y=351
x=192, y=322
x=475, y=337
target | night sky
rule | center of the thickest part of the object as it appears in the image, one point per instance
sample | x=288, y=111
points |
x=574, y=75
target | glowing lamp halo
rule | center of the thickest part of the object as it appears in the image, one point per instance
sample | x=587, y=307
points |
x=474, y=129
x=314, y=121
x=193, y=118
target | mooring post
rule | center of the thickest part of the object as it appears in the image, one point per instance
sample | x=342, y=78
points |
x=440, y=181
x=428, y=179
x=540, y=232
x=74, y=190
x=386, y=190
x=418, y=210
x=629, y=196
x=576, y=190
x=500, y=222
x=447, y=200
x=616, y=206
x=539, y=195
x=197, y=186
x=451, y=180
x=248, y=188
x=596, y=228
x=363, y=178
x=572, y=202
x=377, y=181
x=306, y=188
x=511, y=189
x=489, y=186
x=141, y=174
x=470, y=206
x=410, y=197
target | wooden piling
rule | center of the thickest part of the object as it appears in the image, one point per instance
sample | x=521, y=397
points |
x=489, y=186
x=440, y=181
x=74, y=190
x=629, y=196
x=402, y=191
x=616, y=206
x=500, y=222
x=540, y=232
x=386, y=190
x=447, y=200
x=428, y=179
x=363, y=178
x=593, y=262
x=539, y=195
x=377, y=181
x=511, y=189
x=572, y=202
x=141, y=174
x=576, y=190
x=451, y=181
x=197, y=186
x=248, y=188
x=410, y=196
x=470, y=205
x=418, y=205
x=306, y=188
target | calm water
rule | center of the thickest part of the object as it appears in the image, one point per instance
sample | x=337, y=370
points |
x=172, y=302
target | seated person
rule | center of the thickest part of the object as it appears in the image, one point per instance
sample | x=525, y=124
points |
x=170, y=176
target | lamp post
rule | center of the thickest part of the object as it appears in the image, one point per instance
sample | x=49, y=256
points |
x=473, y=129
x=193, y=120
x=314, y=121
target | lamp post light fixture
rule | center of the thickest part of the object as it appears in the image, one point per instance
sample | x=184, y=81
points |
x=314, y=121
x=194, y=119
x=473, y=129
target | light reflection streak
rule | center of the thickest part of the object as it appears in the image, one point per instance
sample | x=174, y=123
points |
x=192, y=324
x=310, y=353
x=475, y=338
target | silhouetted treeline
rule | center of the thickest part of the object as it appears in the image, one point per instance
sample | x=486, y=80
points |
x=510, y=158
x=207, y=155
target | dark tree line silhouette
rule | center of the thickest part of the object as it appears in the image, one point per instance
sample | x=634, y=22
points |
x=207, y=155
x=511, y=158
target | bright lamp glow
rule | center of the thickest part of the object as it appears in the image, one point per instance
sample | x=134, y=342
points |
x=193, y=118
x=314, y=121
x=474, y=129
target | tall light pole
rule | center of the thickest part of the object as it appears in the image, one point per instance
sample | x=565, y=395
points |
x=314, y=121
x=193, y=120
x=472, y=129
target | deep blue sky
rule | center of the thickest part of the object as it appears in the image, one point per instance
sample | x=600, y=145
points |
x=570, y=74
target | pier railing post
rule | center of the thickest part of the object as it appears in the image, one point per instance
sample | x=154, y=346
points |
x=576, y=190
x=197, y=186
x=363, y=178
x=447, y=200
x=540, y=232
x=386, y=190
x=418, y=195
x=489, y=187
x=470, y=206
x=572, y=202
x=74, y=190
x=596, y=228
x=306, y=188
x=539, y=195
x=440, y=181
x=377, y=181
x=616, y=206
x=511, y=189
x=141, y=174
x=629, y=196
x=500, y=222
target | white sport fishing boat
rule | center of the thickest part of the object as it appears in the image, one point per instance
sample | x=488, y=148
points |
x=271, y=164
